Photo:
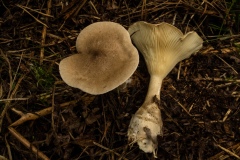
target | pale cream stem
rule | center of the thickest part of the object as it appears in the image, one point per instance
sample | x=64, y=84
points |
x=153, y=88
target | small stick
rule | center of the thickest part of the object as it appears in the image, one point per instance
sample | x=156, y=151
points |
x=31, y=15
x=174, y=19
x=110, y=150
x=189, y=22
x=94, y=8
x=8, y=148
x=19, y=63
x=143, y=10
x=7, y=104
x=53, y=109
x=20, y=113
x=227, y=64
x=36, y=115
x=184, y=108
x=234, y=147
x=9, y=72
x=179, y=70
x=47, y=15
x=3, y=158
x=184, y=18
x=106, y=127
x=44, y=31
x=27, y=144
x=14, y=99
x=226, y=115
x=213, y=121
x=217, y=79
x=228, y=151
x=78, y=9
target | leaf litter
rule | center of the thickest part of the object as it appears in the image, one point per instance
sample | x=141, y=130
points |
x=43, y=118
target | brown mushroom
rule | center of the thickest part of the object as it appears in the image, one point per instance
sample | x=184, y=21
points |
x=106, y=58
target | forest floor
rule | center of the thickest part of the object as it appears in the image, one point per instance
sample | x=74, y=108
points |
x=44, y=118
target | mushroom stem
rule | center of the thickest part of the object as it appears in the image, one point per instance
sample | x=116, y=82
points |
x=153, y=88
x=146, y=124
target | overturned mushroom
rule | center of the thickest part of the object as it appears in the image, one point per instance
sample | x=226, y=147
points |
x=106, y=58
x=162, y=46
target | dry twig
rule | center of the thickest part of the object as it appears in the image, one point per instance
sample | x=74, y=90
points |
x=229, y=152
x=31, y=15
x=12, y=91
x=110, y=150
x=44, y=31
x=36, y=115
x=27, y=144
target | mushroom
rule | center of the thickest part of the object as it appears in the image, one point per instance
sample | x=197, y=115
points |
x=106, y=58
x=162, y=46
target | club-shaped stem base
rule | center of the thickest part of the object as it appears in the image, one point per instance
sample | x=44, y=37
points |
x=146, y=124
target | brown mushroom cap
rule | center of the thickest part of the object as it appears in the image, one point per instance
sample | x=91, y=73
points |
x=106, y=59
